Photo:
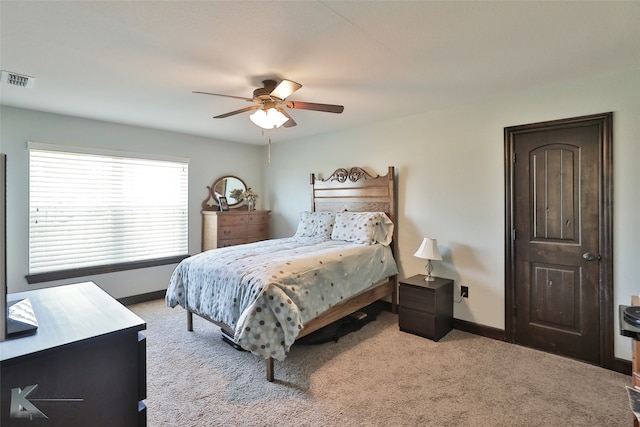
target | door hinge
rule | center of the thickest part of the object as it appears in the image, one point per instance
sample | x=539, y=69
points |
x=513, y=234
x=515, y=311
x=513, y=158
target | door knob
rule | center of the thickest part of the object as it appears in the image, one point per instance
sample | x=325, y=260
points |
x=590, y=257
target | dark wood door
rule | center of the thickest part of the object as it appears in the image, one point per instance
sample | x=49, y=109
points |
x=560, y=303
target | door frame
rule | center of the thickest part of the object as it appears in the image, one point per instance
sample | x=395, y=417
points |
x=605, y=185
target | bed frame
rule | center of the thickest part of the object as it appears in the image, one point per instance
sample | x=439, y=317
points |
x=352, y=190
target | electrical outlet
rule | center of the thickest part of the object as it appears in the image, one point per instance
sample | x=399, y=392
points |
x=464, y=291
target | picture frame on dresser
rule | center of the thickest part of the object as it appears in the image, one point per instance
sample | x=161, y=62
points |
x=222, y=202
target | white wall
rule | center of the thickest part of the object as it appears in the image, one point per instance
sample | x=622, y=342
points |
x=451, y=183
x=450, y=171
x=210, y=159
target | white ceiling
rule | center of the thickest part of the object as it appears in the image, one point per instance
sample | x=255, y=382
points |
x=137, y=62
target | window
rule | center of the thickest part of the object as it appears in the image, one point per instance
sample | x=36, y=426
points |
x=93, y=211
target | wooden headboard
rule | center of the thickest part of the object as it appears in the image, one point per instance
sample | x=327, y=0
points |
x=355, y=190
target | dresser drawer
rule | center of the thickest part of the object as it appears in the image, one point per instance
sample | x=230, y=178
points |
x=258, y=230
x=231, y=232
x=635, y=369
x=418, y=298
x=142, y=366
x=262, y=217
x=223, y=243
x=417, y=322
x=231, y=220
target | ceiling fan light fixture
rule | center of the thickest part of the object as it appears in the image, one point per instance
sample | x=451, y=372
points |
x=268, y=119
x=276, y=117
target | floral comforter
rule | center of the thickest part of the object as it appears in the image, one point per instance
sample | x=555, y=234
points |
x=266, y=291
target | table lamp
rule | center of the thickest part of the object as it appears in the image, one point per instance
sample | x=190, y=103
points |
x=428, y=250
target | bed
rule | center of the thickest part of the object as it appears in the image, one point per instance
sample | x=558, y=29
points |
x=267, y=294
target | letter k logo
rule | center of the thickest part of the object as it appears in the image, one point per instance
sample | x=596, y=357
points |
x=21, y=407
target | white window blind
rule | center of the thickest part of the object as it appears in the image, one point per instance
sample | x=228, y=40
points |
x=88, y=209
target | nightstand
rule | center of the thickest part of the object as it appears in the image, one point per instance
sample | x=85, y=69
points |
x=426, y=308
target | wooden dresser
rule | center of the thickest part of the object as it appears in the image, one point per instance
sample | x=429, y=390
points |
x=229, y=228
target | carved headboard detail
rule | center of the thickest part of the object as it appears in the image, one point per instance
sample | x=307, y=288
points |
x=355, y=190
x=354, y=174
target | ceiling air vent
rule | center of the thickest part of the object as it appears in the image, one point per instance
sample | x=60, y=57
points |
x=16, y=79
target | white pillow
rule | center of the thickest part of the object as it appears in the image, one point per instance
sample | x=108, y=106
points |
x=363, y=227
x=315, y=224
x=384, y=233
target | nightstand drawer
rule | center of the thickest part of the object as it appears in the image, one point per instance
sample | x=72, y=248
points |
x=417, y=322
x=418, y=298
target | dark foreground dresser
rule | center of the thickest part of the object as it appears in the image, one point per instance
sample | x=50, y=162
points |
x=85, y=365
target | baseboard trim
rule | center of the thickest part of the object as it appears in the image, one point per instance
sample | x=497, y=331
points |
x=135, y=299
x=619, y=365
x=622, y=366
x=476, y=329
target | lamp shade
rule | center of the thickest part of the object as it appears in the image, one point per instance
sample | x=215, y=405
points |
x=428, y=249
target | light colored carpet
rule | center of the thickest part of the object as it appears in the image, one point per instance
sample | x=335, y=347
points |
x=377, y=376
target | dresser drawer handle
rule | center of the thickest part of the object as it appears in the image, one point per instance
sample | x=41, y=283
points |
x=226, y=232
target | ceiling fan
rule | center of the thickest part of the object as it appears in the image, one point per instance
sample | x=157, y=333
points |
x=270, y=101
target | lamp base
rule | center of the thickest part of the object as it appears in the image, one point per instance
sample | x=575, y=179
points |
x=429, y=268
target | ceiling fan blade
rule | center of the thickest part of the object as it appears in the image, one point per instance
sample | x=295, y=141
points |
x=226, y=96
x=289, y=123
x=233, y=113
x=327, y=108
x=284, y=89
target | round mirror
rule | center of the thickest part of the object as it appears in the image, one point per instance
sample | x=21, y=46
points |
x=225, y=186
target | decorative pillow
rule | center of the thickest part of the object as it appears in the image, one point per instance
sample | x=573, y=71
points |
x=315, y=224
x=384, y=233
x=363, y=227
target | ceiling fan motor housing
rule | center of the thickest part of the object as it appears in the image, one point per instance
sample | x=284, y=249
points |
x=264, y=93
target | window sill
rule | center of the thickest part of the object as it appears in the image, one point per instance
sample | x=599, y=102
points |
x=101, y=269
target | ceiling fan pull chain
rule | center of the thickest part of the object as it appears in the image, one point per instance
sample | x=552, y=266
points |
x=269, y=155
